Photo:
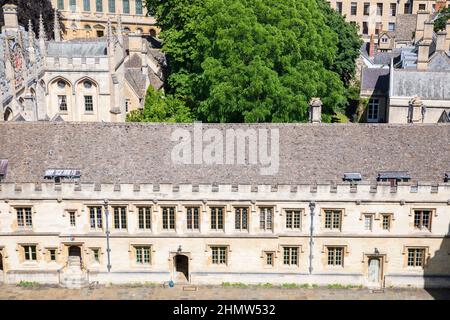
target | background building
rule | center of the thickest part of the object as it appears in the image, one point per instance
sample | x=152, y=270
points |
x=375, y=16
x=89, y=18
x=98, y=79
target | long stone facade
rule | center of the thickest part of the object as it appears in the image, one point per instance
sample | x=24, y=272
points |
x=309, y=222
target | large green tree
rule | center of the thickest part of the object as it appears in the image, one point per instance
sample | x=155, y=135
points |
x=441, y=21
x=30, y=10
x=253, y=60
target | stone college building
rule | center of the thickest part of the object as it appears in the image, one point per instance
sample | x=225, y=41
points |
x=361, y=204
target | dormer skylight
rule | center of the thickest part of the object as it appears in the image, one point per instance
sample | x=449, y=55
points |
x=352, y=176
x=59, y=174
x=3, y=168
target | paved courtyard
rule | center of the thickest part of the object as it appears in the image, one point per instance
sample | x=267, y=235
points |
x=154, y=292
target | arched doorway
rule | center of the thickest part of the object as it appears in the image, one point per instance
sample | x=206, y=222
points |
x=8, y=115
x=74, y=256
x=181, y=268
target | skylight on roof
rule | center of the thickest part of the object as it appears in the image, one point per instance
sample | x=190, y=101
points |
x=58, y=174
x=352, y=176
x=393, y=175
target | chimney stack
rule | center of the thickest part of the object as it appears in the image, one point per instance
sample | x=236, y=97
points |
x=371, y=46
x=424, y=55
x=10, y=16
x=416, y=110
x=440, y=41
x=315, y=110
x=422, y=16
x=428, y=30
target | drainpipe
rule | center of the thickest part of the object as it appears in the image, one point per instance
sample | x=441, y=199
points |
x=312, y=206
x=108, y=250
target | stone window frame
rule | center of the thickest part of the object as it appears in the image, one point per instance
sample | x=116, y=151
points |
x=91, y=256
x=111, y=209
x=272, y=227
x=302, y=214
x=199, y=207
x=426, y=256
x=249, y=217
x=13, y=210
x=432, y=215
x=362, y=217
x=88, y=210
x=47, y=254
x=323, y=218
x=151, y=208
x=132, y=255
x=263, y=257
x=20, y=248
x=224, y=217
x=300, y=251
x=209, y=250
x=381, y=216
x=161, y=223
x=324, y=251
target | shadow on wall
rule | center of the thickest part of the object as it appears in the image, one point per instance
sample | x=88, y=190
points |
x=437, y=270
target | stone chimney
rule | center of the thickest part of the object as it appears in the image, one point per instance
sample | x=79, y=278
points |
x=10, y=16
x=422, y=16
x=424, y=55
x=371, y=46
x=428, y=30
x=315, y=110
x=440, y=41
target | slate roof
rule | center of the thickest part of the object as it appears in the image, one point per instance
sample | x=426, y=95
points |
x=77, y=48
x=136, y=80
x=405, y=27
x=429, y=85
x=141, y=153
x=375, y=79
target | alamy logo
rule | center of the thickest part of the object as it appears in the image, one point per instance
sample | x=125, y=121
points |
x=257, y=147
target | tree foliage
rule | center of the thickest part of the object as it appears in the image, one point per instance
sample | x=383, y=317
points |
x=160, y=108
x=444, y=16
x=30, y=10
x=255, y=60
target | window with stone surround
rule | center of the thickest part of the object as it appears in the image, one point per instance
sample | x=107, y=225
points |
x=24, y=218
x=386, y=221
x=72, y=219
x=416, y=257
x=29, y=252
x=216, y=218
x=333, y=219
x=368, y=222
x=51, y=254
x=192, y=218
x=62, y=102
x=120, y=218
x=99, y=5
x=168, y=218
x=293, y=218
x=241, y=218
x=143, y=254
x=95, y=217
x=422, y=219
x=335, y=256
x=126, y=6
x=112, y=6
x=265, y=218
x=95, y=255
x=290, y=256
x=145, y=218
x=269, y=258
x=219, y=254
x=354, y=8
x=88, y=103
x=86, y=5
